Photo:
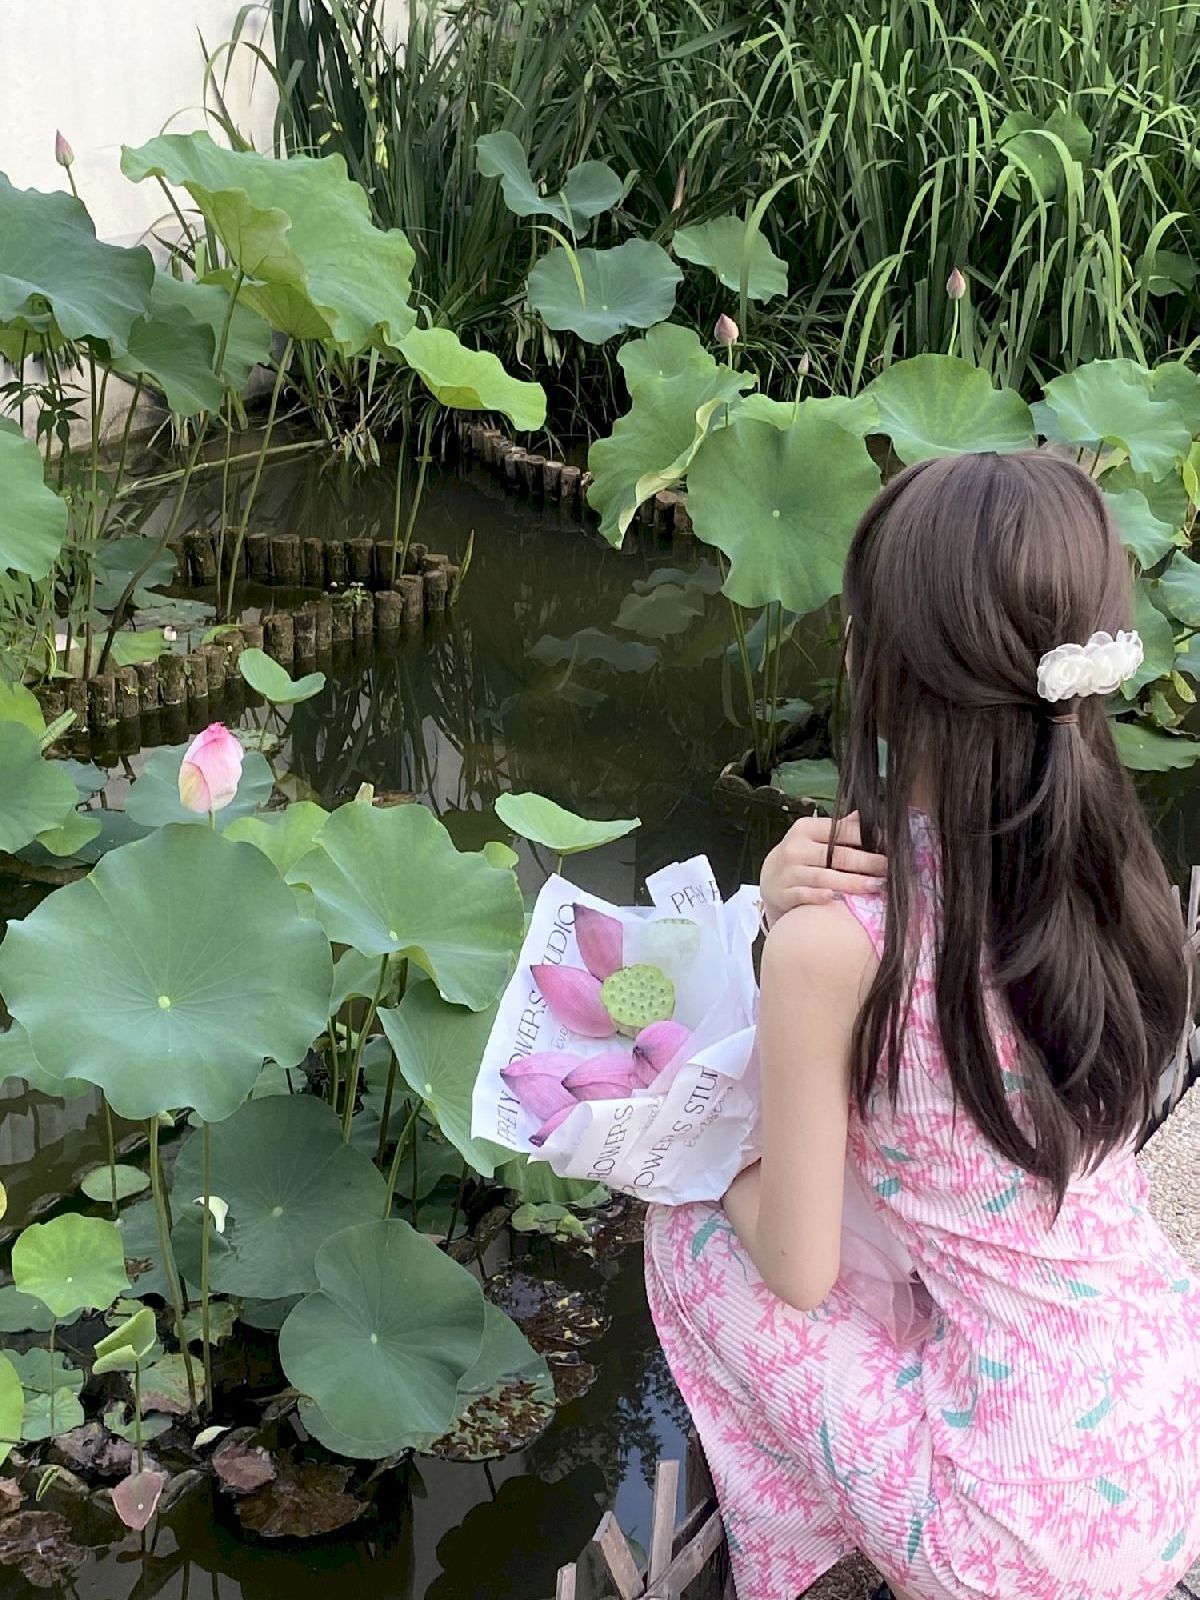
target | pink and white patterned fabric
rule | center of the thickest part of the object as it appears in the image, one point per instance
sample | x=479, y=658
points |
x=1043, y=1440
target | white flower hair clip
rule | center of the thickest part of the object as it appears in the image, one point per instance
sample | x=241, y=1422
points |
x=1101, y=666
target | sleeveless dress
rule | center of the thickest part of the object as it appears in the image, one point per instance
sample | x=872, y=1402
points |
x=1041, y=1440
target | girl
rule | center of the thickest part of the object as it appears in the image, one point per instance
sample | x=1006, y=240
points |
x=982, y=1045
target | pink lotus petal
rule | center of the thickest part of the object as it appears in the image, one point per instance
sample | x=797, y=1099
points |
x=657, y=1046
x=135, y=1499
x=573, y=996
x=537, y=1082
x=600, y=939
x=612, y=1076
x=211, y=770
x=547, y=1128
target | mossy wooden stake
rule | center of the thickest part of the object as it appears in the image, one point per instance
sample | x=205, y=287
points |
x=195, y=668
x=149, y=686
x=411, y=589
x=129, y=707
x=216, y=657
x=201, y=552
x=77, y=701
x=304, y=631
x=279, y=638
x=437, y=589
x=52, y=701
x=343, y=619
x=102, y=702
x=335, y=564
x=252, y=635
x=258, y=558
x=552, y=472
x=389, y=612
x=569, y=481
x=323, y=612
x=362, y=616
x=174, y=683
x=361, y=561
x=286, y=563
x=313, y=560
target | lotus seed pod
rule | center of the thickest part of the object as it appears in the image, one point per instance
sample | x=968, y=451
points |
x=669, y=942
x=637, y=996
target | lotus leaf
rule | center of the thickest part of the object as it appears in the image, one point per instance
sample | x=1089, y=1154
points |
x=45, y=1416
x=342, y=1444
x=382, y=1346
x=1113, y=402
x=248, y=341
x=471, y=380
x=1167, y=498
x=19, y=704
x=389, y=881
x=934, y=405
x=1166, y=271
x=101, y=1183
x=176, y=353
x=70, y=1263
x=301, y=231
x=665, y=611
x=858, y=414
x=304, y=1500
x=12, y=1407
x=154, y=798
x=721, y=245
x=665, y=351
x=1144, y=749
x=17, y=1060
x=117, y=560
x=222, y=1319
x=1036, y=147
x=630, y=286
x=1178, y=590
x=813, y=781
x=189, y=962
x=506, y=1399
x=58, y=279
x=652, y=445
x=38, y=794
x=591, y=188
x=439, y=1048
x=129, y=1344
x=165, y=1385
x=290, y=1184
x=1158, y=642
x=275, y=683
x=541, y=821
x=1142, y=533
x=35, y=519
x=782, y=506
x=46, y=1372
x=282, y=836
x=72, y=834
x=1176, y=381
x=591, y=645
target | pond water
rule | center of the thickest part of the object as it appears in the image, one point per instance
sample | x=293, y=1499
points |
x=529, y=684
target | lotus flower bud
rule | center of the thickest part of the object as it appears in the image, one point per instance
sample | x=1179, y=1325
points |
x=956, y=285
x=611, y=1076
x=804, y=365
x=211, y=770
x=726, y=331
x=547, y=1128
x=63, y=153
x=657, y=1046
x=600, y=939
x=537, y=1082
x=574, y=998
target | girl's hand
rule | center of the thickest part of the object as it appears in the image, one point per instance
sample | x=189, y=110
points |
x=795, y=873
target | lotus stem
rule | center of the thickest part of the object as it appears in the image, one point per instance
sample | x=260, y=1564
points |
x=398, y=1157
x=422, y=463
x=458, y=1200
x=112, y=1151
x=335, y=1071
x=137, y=1410
x=205, y=1325
x=53, y=1331
x=244, y=526
x=174, y=1291
x=393, y=1070
x=360, y=1042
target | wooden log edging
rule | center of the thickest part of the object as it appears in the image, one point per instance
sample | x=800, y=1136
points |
x=284, y=560
x=543, y=479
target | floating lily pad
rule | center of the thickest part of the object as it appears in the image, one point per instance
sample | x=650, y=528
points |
x=290, y=1185
x=243, y=1467
x=154, y=798
x=37, y=793
x=275, y=683
x=120, y=1420
x=471, y=380
x=1113, y=402
x=667, y=610
x=541, y=821
x=783, y=506
x=591, y=188
x=35, y=518
x=935, y=405
x=391, y=882
x=630, y=286
x=22, y=1313
x=303, y=1501
x=41, y=1372
x=507, y=1398
x=382, y=1346
x=38, y=1422
x=70, y=1263
x=135, y=1499
x=190, y=963
x=1144, y=749
x=551, y=1316
x=722, y=245
x=439, y=1048
x=590, y=645
x=101, y=1183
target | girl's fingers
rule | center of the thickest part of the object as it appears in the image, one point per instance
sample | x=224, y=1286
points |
x=860, y=861
x=840, y=882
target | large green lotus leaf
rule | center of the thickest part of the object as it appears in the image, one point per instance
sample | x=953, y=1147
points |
x=71, y=1263
x=471, y=380
x=936, y=405
x=592, y=187
x=1178, y=590
x=12, y=1407
x=1032, y=144
x=782, y=506
x=17, y=1060
x=41, y=1421
x=1144, y=749
x=382, y=1346
x=439, y=1048
x=19, y=704
x=814, y=782
x=275, y=683
x=34, y=524
x=721, y=246
x=857, y=414
x=1113, y=402
x=43, y=1373
x=301, y=231
x=542, y=821
x=154, y=801
x=390, y=882
x=665, y=351
x=55, y=275
x=175, y=352
x=505, y=1400
x=653, y=444
x=290, y=1184
x=248, y=342
x=1176, y=381
x=283, y=836
x=1167, y=498
x=1142, y=533
x=35, y=794
x=1158, y=642
x=190, y=963
x=630, y=286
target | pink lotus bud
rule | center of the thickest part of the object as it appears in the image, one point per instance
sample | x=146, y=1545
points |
x=612, y=1076
x=63, y=153
x=804, y=366
x=657, y=1046
x=574, y=998
x=547, y=1128
x=726, y=331
x=956, y=285
x=537, y=1082
x=135, y=1499
x=211, y=770
x=601, y=941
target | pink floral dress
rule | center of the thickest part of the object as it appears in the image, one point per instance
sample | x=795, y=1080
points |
x=1043, y=1440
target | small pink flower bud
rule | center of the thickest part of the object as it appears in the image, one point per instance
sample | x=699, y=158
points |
x=956, y=285
x=573, y=996
x=537, y=1082
x=63, y=153
x=726, y=331
x=804, y=367
x=211, y=770
x=611, y=1076
x=600, y=939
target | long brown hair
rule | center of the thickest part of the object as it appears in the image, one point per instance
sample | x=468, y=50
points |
x=962, y=574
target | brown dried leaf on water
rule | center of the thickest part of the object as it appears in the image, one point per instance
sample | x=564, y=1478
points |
x=573, y=1376
x=304, y=1501
x=618, y=1228
x=39, y=1545
x=551, y=1316
x=11, y=1495
x=94, y=1449
x=243, y=1467
x=135, y=1499
x=506, y=1419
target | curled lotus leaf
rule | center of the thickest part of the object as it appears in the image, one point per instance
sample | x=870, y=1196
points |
x=506, y=1400
x=591, y=188
x=471, y=380
x=35, y=518
x=545, y=822
x=275, y=683
x=723, y=244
